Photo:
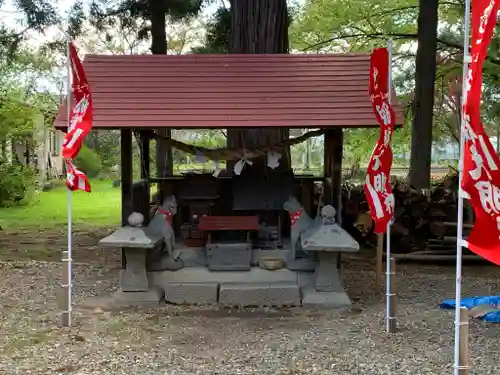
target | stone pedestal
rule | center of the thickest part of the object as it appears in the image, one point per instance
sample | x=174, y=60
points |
x=134, y=277
x=229, y=256
x=135, y=242
x=327, y=275
x=327, y=240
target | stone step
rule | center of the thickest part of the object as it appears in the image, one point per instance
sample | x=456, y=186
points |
x=203, y=274
x=191, y=293
x=312, y=299
x=259, y=294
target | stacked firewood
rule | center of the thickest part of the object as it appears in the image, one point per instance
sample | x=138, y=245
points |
x=421, y=216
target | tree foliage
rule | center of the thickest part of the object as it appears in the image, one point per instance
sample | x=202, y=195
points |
x=138, y=15
x=89, y=162
x=36, y=16
x=22, y=102
x=16, y=184
x=355, y=25
x=128, y=26
x=218, y=30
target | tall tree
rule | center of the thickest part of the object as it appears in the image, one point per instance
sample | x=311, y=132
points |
x=156, y=13
x=259, y=26
x=360, y=26
x=423, y=105
x=218, y=33
x=36, y=15
x=164, y=160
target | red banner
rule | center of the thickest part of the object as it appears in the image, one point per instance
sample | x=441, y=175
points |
x=378, y=188
x=481, y=174
x=81, y=115
x=80, y=123
x=76, y=179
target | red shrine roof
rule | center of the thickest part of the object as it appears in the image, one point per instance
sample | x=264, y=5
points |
x=223, y=91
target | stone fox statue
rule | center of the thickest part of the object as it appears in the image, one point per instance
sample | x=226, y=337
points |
x=299, y=221
x=161, y=224
x=169, y=209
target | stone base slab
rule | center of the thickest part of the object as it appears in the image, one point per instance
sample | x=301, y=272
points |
x=259, y=294
x=328, y=300
x=151, y=298
x=204, y=275
x=191, y=293
x=123, y=300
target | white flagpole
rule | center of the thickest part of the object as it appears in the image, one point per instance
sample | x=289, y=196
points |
x=67, y=255
x=460, y=213
x=388, y=231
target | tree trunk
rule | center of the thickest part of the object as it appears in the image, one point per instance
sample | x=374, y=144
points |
x=259, y=26
x=164, y=165
x=423, y=106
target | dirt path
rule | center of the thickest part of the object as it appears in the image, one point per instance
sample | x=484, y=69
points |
x=184, y=340
x=46, y=245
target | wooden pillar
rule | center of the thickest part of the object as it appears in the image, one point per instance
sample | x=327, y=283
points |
x=126, y=174
x=126, y=178
x=333, y=147
x=145, y=195
x=332, y=193
x=164, y=162
x=306, y=196
x=145, y=164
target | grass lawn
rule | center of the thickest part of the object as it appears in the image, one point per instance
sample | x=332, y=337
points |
x=49, y=209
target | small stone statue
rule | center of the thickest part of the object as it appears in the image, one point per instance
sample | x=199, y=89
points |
x=328, y=215
x=327, y=235
x=136, y=219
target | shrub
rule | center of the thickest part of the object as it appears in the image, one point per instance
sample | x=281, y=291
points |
x=89, y=162
x=17, y=184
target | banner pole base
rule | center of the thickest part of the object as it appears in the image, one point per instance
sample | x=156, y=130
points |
x=391, y=299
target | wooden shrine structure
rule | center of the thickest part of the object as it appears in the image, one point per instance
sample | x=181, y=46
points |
x=147, y=95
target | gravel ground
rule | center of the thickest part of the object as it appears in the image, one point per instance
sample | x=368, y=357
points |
x=183, y=340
